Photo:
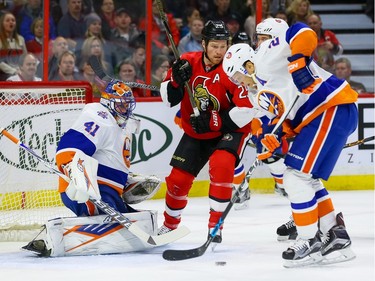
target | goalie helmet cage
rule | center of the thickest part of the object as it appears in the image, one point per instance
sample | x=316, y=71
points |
x=37, y=113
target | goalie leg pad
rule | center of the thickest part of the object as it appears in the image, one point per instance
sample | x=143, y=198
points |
x=96, y=235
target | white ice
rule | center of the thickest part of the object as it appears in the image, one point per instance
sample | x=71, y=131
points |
x=249, y=249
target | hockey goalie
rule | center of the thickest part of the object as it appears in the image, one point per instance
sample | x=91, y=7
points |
x=95, y=155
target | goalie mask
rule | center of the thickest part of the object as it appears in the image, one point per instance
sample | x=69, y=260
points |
x=119, y=99
x=235, y=63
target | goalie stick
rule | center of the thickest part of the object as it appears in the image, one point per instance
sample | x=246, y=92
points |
x=98, y=69
x=155, y=240
x=175, y=255
x=175, y=53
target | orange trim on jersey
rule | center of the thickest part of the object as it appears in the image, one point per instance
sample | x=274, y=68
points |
x=318, y=141
x=325, y=207
x=119, y=190
x=304, y=43
x=308, y=218
x=345, y=96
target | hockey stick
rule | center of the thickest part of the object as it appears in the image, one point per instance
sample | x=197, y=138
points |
x=176, y=54
x=98, y=69
x=175, y=255
x=359, y=142
x=157, y=240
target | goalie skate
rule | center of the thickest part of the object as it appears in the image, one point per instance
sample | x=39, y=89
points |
x=303, y=252
x=336, y=244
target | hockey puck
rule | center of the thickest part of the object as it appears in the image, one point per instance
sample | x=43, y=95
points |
x=220, y=263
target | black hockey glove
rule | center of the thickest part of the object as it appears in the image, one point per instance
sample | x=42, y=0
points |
x=206, y=122
x=181, y=72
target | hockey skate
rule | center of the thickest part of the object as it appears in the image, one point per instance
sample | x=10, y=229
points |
x=336, y=244
x=303, y=252
x=242, y=201
x=287, y=231
x=217, y=239
x=281, y=191
x=163, y=230
x=38, y=247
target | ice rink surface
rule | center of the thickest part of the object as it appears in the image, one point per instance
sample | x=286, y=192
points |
x=249, y=248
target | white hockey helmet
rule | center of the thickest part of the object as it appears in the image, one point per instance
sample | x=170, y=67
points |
x=235, y=58
x=119, y=99
x=272, y=26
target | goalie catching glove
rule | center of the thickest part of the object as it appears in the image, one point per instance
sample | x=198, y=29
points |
x=302, y=76
x=82, y=171
x=140, y=188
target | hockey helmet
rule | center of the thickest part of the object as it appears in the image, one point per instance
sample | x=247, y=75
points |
x=272, y=27
x=235, y=58
x=215, y=30
x=241, y=37
x=119, y=99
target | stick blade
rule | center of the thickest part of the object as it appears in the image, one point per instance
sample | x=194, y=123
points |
x=178, y=255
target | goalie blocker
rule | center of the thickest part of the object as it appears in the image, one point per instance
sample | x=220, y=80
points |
x=93, y=235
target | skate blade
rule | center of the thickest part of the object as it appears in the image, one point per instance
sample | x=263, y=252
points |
x=241, y=206
x=338, y=256
x=308, y=260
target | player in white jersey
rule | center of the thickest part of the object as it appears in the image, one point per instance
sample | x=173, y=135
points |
x=100, y=139
x=322, y=119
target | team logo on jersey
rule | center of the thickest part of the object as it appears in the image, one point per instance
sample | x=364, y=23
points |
x=203, y=99
x=271, y=102
x=103, y=114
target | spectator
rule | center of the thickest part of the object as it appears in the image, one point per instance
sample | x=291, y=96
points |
x=328, y=44
x=94, y=28
x=192, y=13
x=35, y=45
x=298, y=10
x=281, y=14
x=250, y=23
x=160, y=66
x=159, y=37
x=67, y=66
x=30, y=11
x=222, y=11
x=192, y=42
x=59, y=46
x=72, y=25
x=127, y=73
x=343, y=70
x=138, y=58
x=12, y=46
x=94, y=46
x=124, y=33
x=233, y=24
x=27, y=69
x=107, y=14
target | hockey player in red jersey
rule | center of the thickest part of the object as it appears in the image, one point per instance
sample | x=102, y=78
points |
x=217, y=136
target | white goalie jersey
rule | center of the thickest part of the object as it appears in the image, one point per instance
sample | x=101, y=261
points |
x=93, y=133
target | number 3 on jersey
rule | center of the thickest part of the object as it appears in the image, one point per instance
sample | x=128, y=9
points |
x=91, y=128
